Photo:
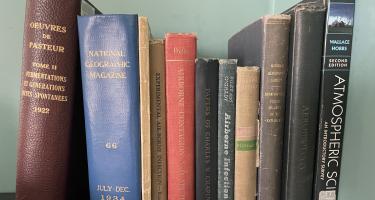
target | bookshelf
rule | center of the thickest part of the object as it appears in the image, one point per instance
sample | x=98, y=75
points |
x=214, y=21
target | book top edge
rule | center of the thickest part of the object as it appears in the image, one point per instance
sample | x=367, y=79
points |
x=228, y=61
x=249, y=68
x=282, y=17
x=157, y=41
x=193, y=35
x=109, y=15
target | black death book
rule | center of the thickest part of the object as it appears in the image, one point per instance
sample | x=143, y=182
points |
x=334, y=90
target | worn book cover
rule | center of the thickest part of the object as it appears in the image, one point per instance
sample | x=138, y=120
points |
x=265, y=43
x=110, y=79
x=48, y=84
x=247, y=103
x=158, y=121
x=180, y=55
x=226, y=127
x=302, y=100
x=144, y=88
x=206, y=102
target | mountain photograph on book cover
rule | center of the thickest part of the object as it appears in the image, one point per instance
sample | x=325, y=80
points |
x=341, y=19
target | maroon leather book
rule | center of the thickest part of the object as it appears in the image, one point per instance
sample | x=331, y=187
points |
x=50, y=64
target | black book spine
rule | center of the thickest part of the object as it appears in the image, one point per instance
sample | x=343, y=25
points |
x=302, y=100
x=206, y=106
x=334, y=90
x=226, y=128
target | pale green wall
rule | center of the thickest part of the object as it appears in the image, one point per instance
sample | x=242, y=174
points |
x=214, y=21
x=11, y=31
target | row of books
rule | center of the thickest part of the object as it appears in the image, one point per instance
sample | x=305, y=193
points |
x=156, y=122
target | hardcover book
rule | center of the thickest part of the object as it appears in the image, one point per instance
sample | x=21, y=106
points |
x=48, y=84
x=180, y=55
x=158, y=121
x=144, y=77
x=247, y=102
x=110, y=78
x=206, y=102
x=333, y=97
x=265, y=43
x=226, y=127
x=302, y=100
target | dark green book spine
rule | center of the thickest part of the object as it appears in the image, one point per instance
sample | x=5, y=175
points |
x=206, y=97
x=333, y=97
x=302, y=100
x=226, y=128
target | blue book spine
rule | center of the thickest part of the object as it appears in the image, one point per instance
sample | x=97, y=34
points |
x=110, y=80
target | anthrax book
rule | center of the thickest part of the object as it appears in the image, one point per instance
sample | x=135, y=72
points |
x=334, y=90
x=302, y=99
x=110, y=80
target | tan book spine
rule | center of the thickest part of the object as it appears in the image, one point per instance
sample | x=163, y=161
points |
x=144, y=77
x=158, y=121
x=247, y=102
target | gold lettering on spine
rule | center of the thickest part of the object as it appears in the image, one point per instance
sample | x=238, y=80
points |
x=106, y=60
x=38, y=81
x=274, y=76
x=47, y=47
x=48, y=27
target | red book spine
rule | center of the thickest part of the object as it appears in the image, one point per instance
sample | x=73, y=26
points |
x=180, y=52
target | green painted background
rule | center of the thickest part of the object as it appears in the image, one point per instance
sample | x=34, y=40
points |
x=214, y=21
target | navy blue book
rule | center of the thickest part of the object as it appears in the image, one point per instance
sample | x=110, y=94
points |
x=110, y=80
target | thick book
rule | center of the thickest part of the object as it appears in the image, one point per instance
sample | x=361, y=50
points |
x=158, y=121
x=144, y=78
x=302, y=99
x=265, y=44
x=247, y=103
x=333, y=97
x=49, y=72
x=180, y=55
x=110, y=79
x=226, y=127
x=206, y=102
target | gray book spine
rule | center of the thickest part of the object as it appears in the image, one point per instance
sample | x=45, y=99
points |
x=274, y=62
x=226, y=128
x=302, y=100
x=265, y=43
